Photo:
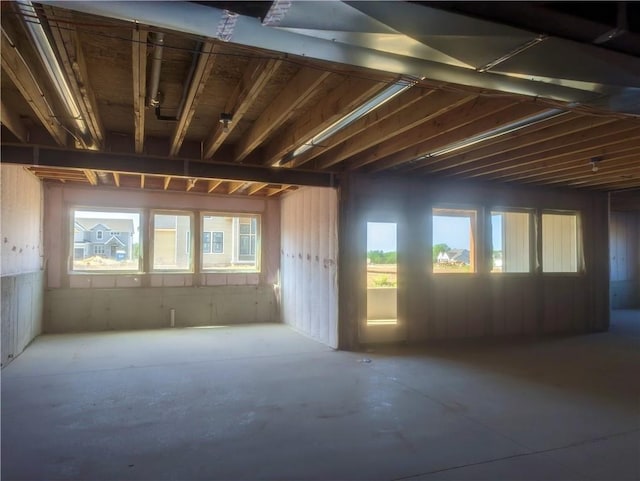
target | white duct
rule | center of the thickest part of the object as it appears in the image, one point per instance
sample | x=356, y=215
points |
x=153, y=99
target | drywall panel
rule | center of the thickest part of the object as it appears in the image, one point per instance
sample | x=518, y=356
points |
x=308, y=278
x=624, y=252
x=22, y=259
x=81, y=310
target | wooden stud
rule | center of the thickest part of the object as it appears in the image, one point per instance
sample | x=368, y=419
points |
x=206, y=61
x=139, y=56
x=254, y=80
x=14, y=65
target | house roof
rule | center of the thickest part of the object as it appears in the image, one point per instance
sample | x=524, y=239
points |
x=490, y=95
x=115, y=225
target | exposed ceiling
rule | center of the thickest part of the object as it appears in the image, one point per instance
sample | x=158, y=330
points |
x=472, y=100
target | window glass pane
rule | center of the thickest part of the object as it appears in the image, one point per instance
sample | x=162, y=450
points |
x=170, y=248
x=559, y=243
x=454, y=240
x=230, y=243
x=510, y=238
x=106, y=241
x=382, y=273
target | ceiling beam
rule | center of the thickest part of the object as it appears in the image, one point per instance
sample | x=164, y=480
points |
x=255, y=188
x=213, y=185
x=116, y=178
x=158, y=165
x=206, y=60
x=12, y=121
x=191, y=183
x=15, y=66
x=295, y=94
x=167, y=181
x=91, y=176
x=142, y=181
x=347, y=96
x=69, y=50
x=139, y=62
x=234, y=186
x=256, y=77
x=398, y=103
x=275, y=191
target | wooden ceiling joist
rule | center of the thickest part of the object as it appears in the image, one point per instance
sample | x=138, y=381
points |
x=116, y=179
x=142, y=179
x=139, y=68
x=233, y=187
x=167, y=181
x=15, y=66
x=12, y=121
x=254, y=80
x=191, y=183
x=255, y=188
x=91, y=176
x=277, y=190
x=347, y=96
x=294, y=95
x=213, y=185
x=70, y=52
x=206, y=61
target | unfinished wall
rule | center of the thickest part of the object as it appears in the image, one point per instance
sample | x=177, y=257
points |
x=22, y=275
x=309, y=291
x=442, y=306
x=624, y=253
x=84, y=301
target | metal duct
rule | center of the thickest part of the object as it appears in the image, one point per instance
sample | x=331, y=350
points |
x=410, y=39
x=53, y=68
x=153, y=98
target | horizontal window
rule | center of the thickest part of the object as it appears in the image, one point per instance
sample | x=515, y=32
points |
x=560, y=242
x=454, y=233
x=230, y=242
x=171, y=242
x=105, y=240
x=511, y=241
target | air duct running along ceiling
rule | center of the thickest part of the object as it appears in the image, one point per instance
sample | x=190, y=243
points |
x=413, y=40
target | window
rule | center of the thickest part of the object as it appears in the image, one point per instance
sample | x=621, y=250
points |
x=511, y=239
x=382, y=273
x=454, y=240
x=105, y=252
x=170, y=251
x=560, y=242
x=230, y=242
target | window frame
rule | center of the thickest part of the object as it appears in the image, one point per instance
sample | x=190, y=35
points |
x=189, y=250
x=532, y=238
x=240, y=266
x=72, y=209
x=580, y=262
x=474, y=214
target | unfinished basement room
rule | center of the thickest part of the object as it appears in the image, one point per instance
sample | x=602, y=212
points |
x=320, y=240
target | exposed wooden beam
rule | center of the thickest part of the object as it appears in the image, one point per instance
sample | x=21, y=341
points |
x=296, y=93
x=206, y=61
x=142, y=181
x=12, y=122
x=519, y=145
x=14, y=65
x=405, y=100
x=340, y=101
x=213, y=185
x=158, y=165
x=116, y=179
x=254, y=80
x=191, y=183
x=91, y=176
x=70, y=53
x=167, y=181
x=427, y=145
x=275, y=191
x=536, y=150
x=255, y=188
x=139, y=56
x=234, y=186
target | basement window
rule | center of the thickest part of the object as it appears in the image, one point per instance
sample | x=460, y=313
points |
x=105, y=241
x=453, y=242
x=171, y=241
x=230, y=243
x=511, y=241
x=560, y=242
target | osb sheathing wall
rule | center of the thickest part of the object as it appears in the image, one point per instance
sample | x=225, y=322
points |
x=309, y=285
x=432, y=306
x=79, y=301
x=22, y=254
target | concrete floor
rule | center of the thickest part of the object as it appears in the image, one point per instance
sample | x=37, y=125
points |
x=263, y=402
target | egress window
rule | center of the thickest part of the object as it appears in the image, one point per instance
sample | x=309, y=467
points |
x=105, y=240
x=171, y=241
x=230, y=242
x=560, y=242
x=454, y=232
x=511, y=239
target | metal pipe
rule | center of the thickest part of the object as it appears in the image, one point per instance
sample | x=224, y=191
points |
x=153, y=99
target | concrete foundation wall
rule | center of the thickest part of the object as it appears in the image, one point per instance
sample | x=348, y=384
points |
x=82, y=310
x=309, y=290
x=624, y=255
x=22, y=260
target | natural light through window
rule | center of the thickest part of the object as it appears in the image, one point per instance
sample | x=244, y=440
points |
x=510, y=236
x=382, y=273
x=230, y=242
x=560, y=242
x=105, y=240
x=172, y=242
x=454, y=240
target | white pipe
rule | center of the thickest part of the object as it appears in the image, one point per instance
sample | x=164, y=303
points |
x=156, y=63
